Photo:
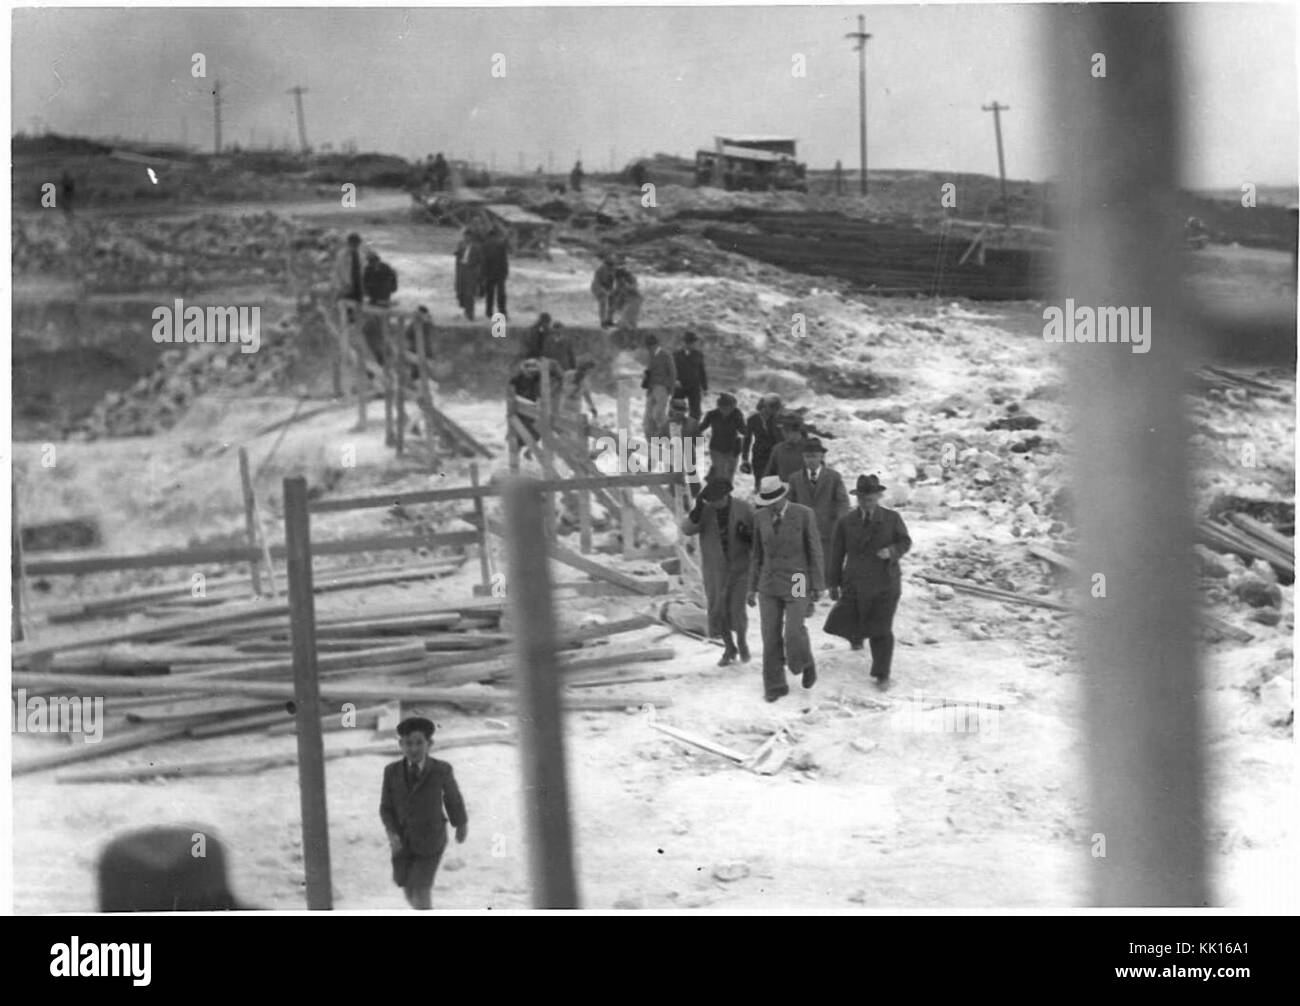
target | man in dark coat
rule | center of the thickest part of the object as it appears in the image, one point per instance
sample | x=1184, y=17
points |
x=469, y=271
x=603, y=283
x=762, y=432
x=726, y=529
x=496, y=267
x=864, y=576
x=820, y=488
x=785, y=580
x=576, y=176
x=787, y=456
x=440, y=172
x=535, y=337
x=416, y=789
x=691, y=375
x=660, y=376
x=525, y=386
x=726, y=427
x=379, y=280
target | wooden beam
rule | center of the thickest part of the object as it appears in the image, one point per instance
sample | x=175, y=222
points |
x=484, y=558
x=250, y=519
x=307, y=695
x=546, y=797
x=624, y=419
x=17, y=572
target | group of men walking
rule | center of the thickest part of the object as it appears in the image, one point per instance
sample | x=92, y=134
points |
x=782, y=551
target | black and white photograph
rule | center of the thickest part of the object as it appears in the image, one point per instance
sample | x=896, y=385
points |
x=669, y=459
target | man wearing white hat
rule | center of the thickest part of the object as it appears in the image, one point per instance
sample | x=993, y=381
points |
x=785, y=579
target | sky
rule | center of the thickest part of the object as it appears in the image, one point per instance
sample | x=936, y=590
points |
x=613, y=83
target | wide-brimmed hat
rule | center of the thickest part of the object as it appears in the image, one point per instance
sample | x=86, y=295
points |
x=813, y=446
x=415, y=721
x=868, y=484
x=770, y=490
x=161, y=870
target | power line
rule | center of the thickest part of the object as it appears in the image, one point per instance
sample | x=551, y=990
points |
x=861, y=36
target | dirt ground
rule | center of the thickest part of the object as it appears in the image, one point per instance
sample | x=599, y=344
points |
x=879, y=806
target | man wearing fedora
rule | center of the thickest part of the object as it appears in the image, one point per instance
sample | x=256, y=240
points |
x=864, y=577
x=821, y=489
x=785, y=580
x=416, y=789
x=726, y=529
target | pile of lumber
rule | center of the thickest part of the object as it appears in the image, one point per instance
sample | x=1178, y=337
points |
x=231, y=672
x=1250, y=539
x=1218, y=377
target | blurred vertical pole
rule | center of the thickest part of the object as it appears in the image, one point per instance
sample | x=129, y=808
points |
x=1117, y=160
x=306, y=692
x=541, y=727
x=16, y=575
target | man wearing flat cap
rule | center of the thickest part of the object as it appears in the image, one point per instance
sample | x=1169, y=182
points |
x=820, y=488
x=785, y=580
x=726, y=529
x=787, y=456
x=416, y=790
x=864, y=577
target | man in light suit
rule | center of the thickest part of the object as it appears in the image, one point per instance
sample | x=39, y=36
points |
x=416, y=789
x=821, y=489
x=785, y=580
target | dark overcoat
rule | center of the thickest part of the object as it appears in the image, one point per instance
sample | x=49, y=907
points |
x=725, y=576
x=869, y=585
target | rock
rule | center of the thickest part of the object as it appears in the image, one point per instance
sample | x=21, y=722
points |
x=943, y=592
x=1210, y=563
x=629, y=901
x=728, y=872
x=858, y=897
x=1264, y=571
x=1257, y=592
x=884, y=413
x=1266, y=616
x=1275, y=701
x=455, y=863
x=865, y=747
x=803, y=761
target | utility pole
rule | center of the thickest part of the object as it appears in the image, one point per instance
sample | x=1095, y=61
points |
x=297, y=93
x=216, y=117
x=861, y=36
x=997, y=109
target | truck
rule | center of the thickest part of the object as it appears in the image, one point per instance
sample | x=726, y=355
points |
x=754, y=163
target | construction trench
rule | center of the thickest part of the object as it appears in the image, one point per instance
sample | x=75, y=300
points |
x=158, y=494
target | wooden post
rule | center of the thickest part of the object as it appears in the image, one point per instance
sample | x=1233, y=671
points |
x=390, y=438
x=306, y=691
x=402, y=368
x=584, y=495
x=18, y=578
x=544, y=406
x=1119, y=176
x=541, y=728
x=625, y=432
x=250, y=519
x=360, y=382
x=341, y=351
x=485, y=565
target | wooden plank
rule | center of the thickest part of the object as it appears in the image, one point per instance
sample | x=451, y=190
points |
x=624, y=420
x=259, y=763
x=240, y=554
x=307, y=695
x=573, y=661
x=402, y=499
x=700, y=741
x=335, y=691
x=588, y=588
x=484, y=559
x=120, y=741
